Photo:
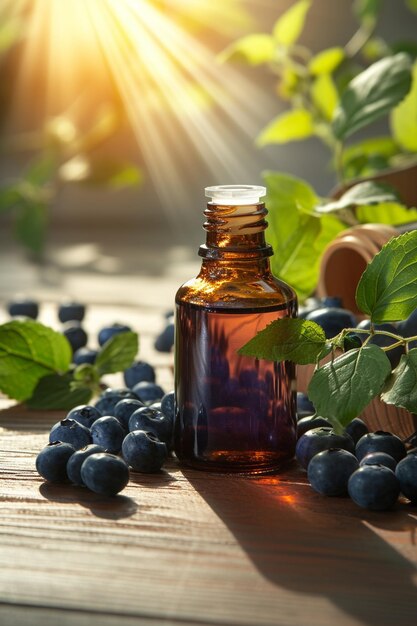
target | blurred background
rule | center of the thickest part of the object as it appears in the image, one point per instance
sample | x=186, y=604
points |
x=115, y=114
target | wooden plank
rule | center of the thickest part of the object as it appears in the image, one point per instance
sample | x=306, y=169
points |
x=189, y=547
x=184, y=547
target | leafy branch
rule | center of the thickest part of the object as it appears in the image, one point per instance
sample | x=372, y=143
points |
x=331, y=99
x=341, y=388
x=35, y=365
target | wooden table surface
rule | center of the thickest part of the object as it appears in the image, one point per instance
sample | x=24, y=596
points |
x=186, y=548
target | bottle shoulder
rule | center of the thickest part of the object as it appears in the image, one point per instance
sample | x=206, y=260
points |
x=238, y=292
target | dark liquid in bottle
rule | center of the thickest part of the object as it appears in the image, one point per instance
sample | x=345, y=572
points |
x=233, y=413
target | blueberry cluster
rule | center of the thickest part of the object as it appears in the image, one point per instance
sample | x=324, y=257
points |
x=372, y=468
x=94, y=446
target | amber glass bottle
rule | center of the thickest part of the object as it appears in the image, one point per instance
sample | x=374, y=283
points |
x=233, y=413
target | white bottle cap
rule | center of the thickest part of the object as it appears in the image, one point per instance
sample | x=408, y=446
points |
x=233, y=195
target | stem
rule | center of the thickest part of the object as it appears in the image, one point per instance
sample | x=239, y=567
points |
x=359, y=39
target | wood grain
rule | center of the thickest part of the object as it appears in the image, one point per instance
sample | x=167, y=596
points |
x=186, y=547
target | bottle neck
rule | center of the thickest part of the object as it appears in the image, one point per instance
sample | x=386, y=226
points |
x=236, y=233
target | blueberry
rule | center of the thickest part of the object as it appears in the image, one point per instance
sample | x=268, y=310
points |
x=84, y=355
x=155, y=405
x=75, y=334
x=108, y=332
x=23, y=307
x=165, y=340
x=351, y=341
x=153, y=421
x=124, y=409
x=379, y=458
x=77, y=459
x=330, y=470
x=309, y=422
x=148, y=392
x=319, y=439
x=110, y=397
x=408, y=328
x=84, y=414
x=356, y=429
x=108, y=433
x=332, y=302
x=311, y=304
x=105, y=473
x=406, y=472
x=168, y=405
x=72, y=432
x=71, y=311
x=374, y=487
x=51, y=462
x=304, y=404
x=383, y=340
x=143, y=451
x=332, y=320
x=138, y=372
x=380, y=441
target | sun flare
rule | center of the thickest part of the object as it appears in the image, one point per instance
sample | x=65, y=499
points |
x=181, y=104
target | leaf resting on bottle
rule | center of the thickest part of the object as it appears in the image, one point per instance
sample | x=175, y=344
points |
x=401, y=387
x=343, y=388
x=28, y=352
x=297, y=340
x=387, y=289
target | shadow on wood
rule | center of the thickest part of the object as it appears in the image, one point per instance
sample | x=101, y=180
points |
x=313, y=545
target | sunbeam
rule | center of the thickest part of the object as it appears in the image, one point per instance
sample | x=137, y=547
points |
x=183, y=107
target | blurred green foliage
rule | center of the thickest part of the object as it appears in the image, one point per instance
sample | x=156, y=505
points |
x=332, y=94
x=60, y=154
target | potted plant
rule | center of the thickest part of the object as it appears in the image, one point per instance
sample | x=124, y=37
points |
x=332, y=94
x=351, y=373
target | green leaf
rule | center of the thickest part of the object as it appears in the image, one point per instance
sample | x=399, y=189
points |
x=254, y=49
x=41, y=170
x=296, y=340
x=28, y=351
x=386, y=213
x=387, y=289
x=404, y=118
x=369, y=148
x=297, y=237
x=367, y=10
x=9, y=198
x=289, y=26
x=287, y=194
x=343, y=388
x=30, y=225
x=117, y=354
x=55, y=391
x=412, y=5
x=326, y=61
x=366, y=193
x=290, y=126
x=401, y=387
x=296, y=260
x=11, y=32
x=372, y=94
x=325, y=95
